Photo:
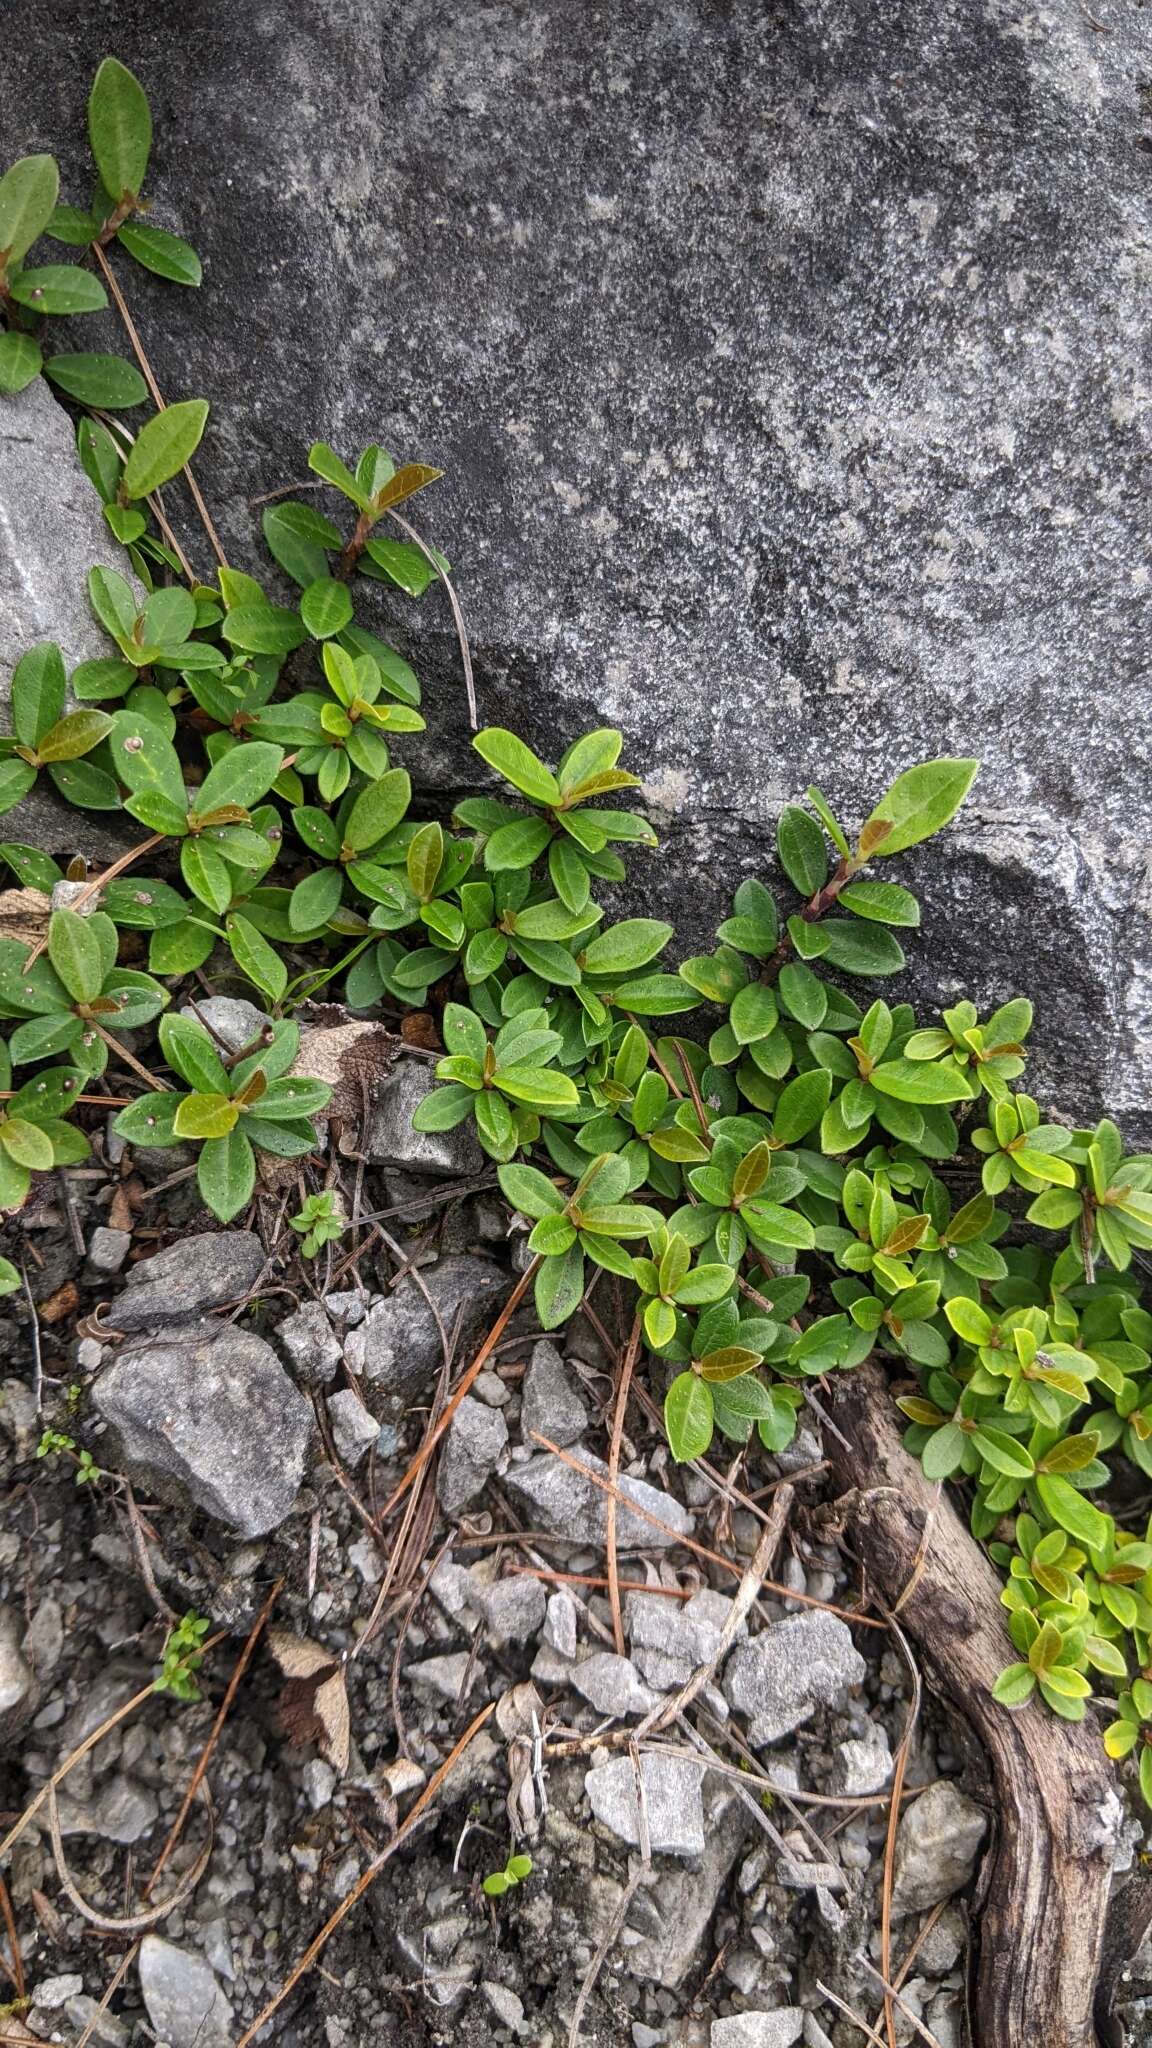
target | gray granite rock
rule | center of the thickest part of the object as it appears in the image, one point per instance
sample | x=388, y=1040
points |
x=185, y=2003
x=684, y=1900
x=107, y=1251
x=19, y=1692
x=550, y=1405
x=354, y=1427
x=778, y=2029
x=188, y=1277
x=51, y=534
x=937, y=1843
x=209, y=1416
x=612, y=1685
x=672, y=1800
x=787, y=369
x=307, y=1338
x=568, y=1504
x=389, y=1139
x=514, y=1608
x=476, y=1441
x=780, y=1677
x=399, y=1343
x=232, y=1020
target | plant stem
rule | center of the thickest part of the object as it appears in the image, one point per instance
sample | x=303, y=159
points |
x=146, y=369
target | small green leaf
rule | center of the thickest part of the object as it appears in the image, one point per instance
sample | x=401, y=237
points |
x=378, y=809
x=164, y=254
x=74, y=735
x=255, y=958
x=943, y=1452
x=803, y=853
x=559, y=1287
x=226, y=1174
x=883, y=902
x=190, y=1053
x=20, y=362
x=326, y=463
x=106, y=381
x=517, y=764
x=861, y=948
x=399, y=563
x=75, y=952
x=58, y=288
x=163, y=446
x=626, y=946
x=1073, y=1512
x=801, y=1105
x=264, y=629
x=241, y=776
x=205, y=1116
x=39, y=687
x=919, y=802
x=119, y=129
x=27, y=196
x=1014, y=1686
x=326, y=607
x=688, y=1417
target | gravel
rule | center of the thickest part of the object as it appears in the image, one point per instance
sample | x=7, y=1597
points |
x=107, y=1251
x=231, y=1020
x=672, y=1800
x=513, y=1609
x=612, y=1685
x=476, y=1441
x=312, y=1348
x=780, y=1677
x=186, y=2005
x=549, y=1403
x=354, y=1428
x=399, y=1344
x=208, y=1416
x=779, y=2029
x=568, y=1504
x=389, y=1139
x=937, y=1844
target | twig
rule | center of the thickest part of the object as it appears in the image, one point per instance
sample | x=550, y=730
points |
x=130, y=1059
x=205, y=1756
x=892, y=1997
x=457, y=614
x=901, y=1767
x=536, y=1571
x=15, y=1968
x=132, y=1923
x=367, y=1877
x=745, y=1598
x=154, y=388
x=622, y=1904
x=623, y=1385
x=140, y=1546
x=121, y=1972
x=868, y=2031
x=37, y=1357
x=470, y=1376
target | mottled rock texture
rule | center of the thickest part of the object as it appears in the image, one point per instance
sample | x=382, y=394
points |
x=787, y=364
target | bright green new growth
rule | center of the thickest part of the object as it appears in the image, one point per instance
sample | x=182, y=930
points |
x=796, y=1181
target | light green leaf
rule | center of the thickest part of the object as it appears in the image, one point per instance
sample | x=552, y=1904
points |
x=626, y=946
x=802, y=850
x=226, y=1174
x=326, y=607
x=119, y=129
x=27, y=196
x=39, y=687
x=255, y=957
x=58, y=288
x=205, y=1116
x=163, y=446
x=106, y=381
x=517, y=764
x=801, y=1105
x=20, y=362
x=919, y=802
x=688, y=1417
x=164, y=254
x=241, y=776
x=378, y=809
x=1073, y=1512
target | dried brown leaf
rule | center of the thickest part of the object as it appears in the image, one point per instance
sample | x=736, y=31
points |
x=314, y=1696
x=24, y=915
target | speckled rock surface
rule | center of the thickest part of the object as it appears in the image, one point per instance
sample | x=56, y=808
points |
x=786, y=365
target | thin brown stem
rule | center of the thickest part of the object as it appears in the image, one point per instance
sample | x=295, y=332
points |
x=130, y=1059
x=149, y=378
x=626, y=1369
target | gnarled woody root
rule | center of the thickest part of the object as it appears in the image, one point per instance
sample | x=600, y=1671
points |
x=1052, y=1802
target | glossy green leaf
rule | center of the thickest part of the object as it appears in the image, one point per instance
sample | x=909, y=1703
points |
x=163, y=254
x=119, y=129
x=27, y=196
x=106, y=381
x=919, y=802
x=20, y=362
x=163, y=446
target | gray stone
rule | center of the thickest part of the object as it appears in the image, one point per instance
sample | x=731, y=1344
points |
x=54, y=1992
x=513, y=1608
x=864, y=1764
x=354, y=1427
x=120, y=1811
x=831, y=417
x=670, y=1639
x=568, y=1504
x=306, y=1335
x=778, y=2029
x=672, y=1802
x=780, y=1677
x=19, y=1693
x=684, y=1901
x=612, y=1685
x=104, y=2029
x=444, y=1678
x=549, y=1403
x=944, y=1943
x=389, y=1139
x=504, y=2005
x=107, y=1251
x=186, y=2005
x=51, y=534
x=476, y=1441
x=210, y=1415
x=188, y=1277
x=232, y=1021
x=399, y=1343
x=937, y=1844
x=560, y=1623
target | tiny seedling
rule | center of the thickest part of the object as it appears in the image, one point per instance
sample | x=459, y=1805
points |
x=514, y=1872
